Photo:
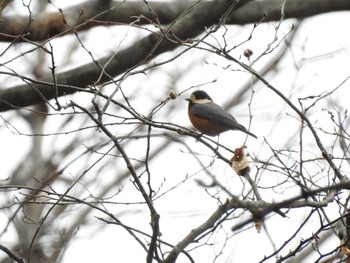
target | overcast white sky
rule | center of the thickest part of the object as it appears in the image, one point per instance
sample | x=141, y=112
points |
x=322, y=42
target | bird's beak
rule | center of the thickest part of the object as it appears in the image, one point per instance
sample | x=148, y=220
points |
x=188, y=99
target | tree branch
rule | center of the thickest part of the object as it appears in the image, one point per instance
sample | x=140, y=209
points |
x=190, y=25
x=258, y=209
x=11, y=254
x=92, y=13
x=302, y=116
x=196, y=19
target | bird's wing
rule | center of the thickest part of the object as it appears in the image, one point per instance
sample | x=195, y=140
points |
x=215, y=114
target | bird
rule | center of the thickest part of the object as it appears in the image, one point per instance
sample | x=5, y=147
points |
x=209, y=118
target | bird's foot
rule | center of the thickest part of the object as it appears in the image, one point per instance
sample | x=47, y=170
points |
x=216, y=150
x=198, y=136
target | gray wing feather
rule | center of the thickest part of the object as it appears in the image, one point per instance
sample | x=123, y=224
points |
x=216, y=114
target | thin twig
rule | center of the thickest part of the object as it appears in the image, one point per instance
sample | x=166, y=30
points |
x=12, y=254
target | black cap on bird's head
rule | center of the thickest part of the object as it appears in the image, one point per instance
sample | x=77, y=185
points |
x=199, y=96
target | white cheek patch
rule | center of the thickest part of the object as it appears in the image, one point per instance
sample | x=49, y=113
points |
x=201, y=101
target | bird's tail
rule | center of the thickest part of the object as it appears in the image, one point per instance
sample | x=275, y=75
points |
x=243, y=129
x=251, y=134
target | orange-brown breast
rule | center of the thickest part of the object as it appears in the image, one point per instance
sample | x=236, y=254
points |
x=206, y=127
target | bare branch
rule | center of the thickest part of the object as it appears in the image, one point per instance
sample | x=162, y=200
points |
x=92, y=13
x=198, y=19
x=11, y=254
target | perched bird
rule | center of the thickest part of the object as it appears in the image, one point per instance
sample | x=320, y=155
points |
x=209, y=118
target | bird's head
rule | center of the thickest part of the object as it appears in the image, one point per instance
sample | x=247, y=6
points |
x=200, y=97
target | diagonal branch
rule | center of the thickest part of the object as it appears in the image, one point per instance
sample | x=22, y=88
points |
x=93, y=13
x=197, y=19
x=190, y=25
x=258, y=209
x=302, y=116
x=11, y=254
